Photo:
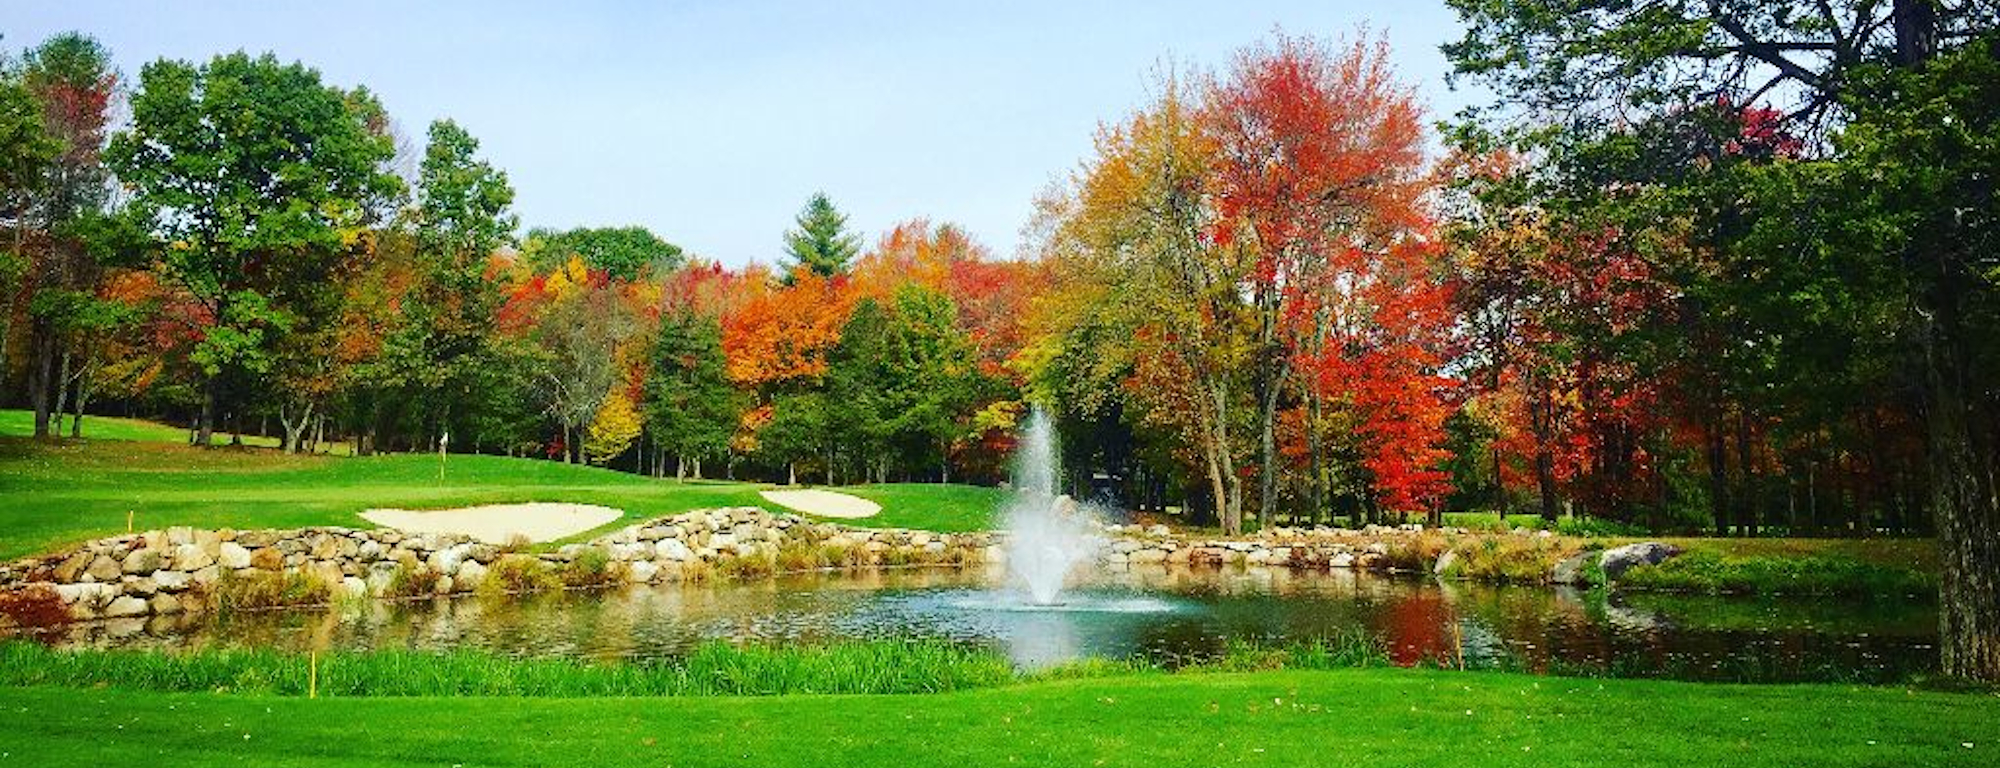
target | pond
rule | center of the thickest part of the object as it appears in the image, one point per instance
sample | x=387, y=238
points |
x=1167, y=615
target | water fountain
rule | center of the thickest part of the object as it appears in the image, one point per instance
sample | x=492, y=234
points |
x=1048, y=534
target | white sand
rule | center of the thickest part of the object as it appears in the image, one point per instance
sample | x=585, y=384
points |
x=824, y=503
x=497, y=523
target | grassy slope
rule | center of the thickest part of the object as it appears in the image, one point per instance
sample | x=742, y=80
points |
x=1358, y=718
x=931, y=506
x=65, y=492
x=19, y=423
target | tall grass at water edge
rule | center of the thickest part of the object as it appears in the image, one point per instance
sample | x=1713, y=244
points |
x=716, y=669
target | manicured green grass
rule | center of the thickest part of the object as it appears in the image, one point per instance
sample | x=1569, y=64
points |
x=65, y=492
x=1357, y=717
x=931, y=506
x=1733, y=571
x=19, y=423
x=62, y=492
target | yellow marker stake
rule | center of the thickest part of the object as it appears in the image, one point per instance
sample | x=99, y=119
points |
x=128, y=520
x=312, y=675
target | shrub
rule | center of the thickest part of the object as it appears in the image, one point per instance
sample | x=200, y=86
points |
x=746, y=566
x=593, y=567
x=840, y=555
x=1416, y=552
x=411, y=579
x=264, y=590
x=799, y=556
x=33, y=606
x=518, y=574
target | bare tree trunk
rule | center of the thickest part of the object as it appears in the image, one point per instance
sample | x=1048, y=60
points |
x=1718, y=475
x=1541, y=419
x=62, y=393
x=83, y=382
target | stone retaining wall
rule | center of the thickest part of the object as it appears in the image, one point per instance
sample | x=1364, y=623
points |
x=160, y=573
x=178, y=569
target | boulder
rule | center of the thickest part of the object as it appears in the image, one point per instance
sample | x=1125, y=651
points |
x=268, y=559
x=164, y=604
x=257, y=539
x=672, y=550
x=1341, y=560
x=1617, y=560
x=354, y=586
x=207, y=576
x=88, y=595
x=232, y=555
x=126, y=605
x=192, y=557
x=644, y=572
x=72, y=569
x=1571, y=570
x=1148, y=556
x=140, y=586
x=470, y=573
x=142, y=561
x=172, y=581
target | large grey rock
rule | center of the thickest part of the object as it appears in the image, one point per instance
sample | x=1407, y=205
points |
x=1572, y=569
x=1616, y=561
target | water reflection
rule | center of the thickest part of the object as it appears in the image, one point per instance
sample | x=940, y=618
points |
x=1167, y=614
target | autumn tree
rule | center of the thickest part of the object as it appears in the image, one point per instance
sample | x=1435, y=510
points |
x=71, y=79
x=1150, y=284
x=1319, y=169
x=1599, y=68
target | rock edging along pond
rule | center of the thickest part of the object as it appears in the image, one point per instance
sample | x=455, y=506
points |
x=184, y=569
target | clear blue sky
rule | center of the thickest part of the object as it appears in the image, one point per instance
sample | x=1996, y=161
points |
x=710, y=123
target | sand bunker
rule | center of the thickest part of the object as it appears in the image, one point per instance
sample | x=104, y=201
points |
x=824, y=503
x=497, y=523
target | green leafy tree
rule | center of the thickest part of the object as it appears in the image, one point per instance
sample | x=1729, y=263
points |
x=691, y=409
x=445, y=334
x=627, y=253
x=26, y=150
x=254, y=178
x=907, y=382
x=822, y=242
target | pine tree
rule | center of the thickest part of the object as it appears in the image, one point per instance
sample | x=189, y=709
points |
x=822, y=242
